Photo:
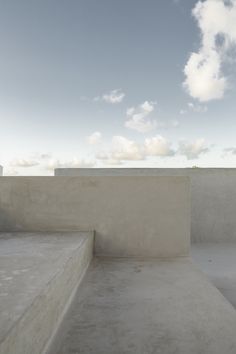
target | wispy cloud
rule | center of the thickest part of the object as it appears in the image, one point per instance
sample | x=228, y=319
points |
x=75, y=162
x=113, y=97
x=205, y=79
x=138, y=117
x=95, y=138
x=9, y=171
x=24, y=162
x=192, y=150
x=194, y=107
x=229, y=150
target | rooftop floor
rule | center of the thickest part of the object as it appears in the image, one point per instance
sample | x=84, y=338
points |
x=134, y=306
x=122, y=305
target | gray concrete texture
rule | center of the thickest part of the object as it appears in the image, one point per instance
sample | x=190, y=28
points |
x=38, y=274
x=133, y=306
x=132, y=216
x=213, y=196
x=218, y=261
x=1, y=170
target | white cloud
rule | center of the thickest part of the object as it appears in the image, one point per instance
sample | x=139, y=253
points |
x=216, y=19
x=122, y=149
x=158, y=146
x=192, y=150
x=125, y=149
x=107, y=159
x=24, y=162
x=115, y=96
x=94, y=138
x=138, y=117
x=75, y=162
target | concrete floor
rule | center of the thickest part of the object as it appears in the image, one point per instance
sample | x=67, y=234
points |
x=218, y=261
x=133, y=306
x=122, y=306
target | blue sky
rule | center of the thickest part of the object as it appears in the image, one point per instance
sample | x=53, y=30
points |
x=117, y=83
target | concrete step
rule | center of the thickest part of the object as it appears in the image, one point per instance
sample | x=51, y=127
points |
x=39, y=273
x=136, y=307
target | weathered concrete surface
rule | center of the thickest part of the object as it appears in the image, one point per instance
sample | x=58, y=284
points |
x=38, y=274
x=1, y=170
x=213, y=196
x=218, y=261
x=132, y=216
x=137, y=307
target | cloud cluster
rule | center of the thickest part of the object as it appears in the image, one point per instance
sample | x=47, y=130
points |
x=138, y=118
x=44, y=162
x=205, y=79
x=123, y=149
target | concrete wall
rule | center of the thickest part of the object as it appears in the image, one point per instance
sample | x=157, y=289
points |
x=132, y=216
x=1, y=170
x=213, y=197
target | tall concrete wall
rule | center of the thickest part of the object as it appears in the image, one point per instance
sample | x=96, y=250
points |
x=132, y=216
x=213, y=197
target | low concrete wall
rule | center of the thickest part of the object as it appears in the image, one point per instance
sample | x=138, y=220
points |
x=213, y=197
x=132, y=216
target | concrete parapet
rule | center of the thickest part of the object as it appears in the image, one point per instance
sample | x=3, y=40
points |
x=213, y=196
x=132, y=216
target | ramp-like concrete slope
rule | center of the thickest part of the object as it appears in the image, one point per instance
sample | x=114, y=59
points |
x=38, y=274
x=218, y=261
x=151, y=307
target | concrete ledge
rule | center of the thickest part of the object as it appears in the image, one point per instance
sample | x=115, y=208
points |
x=39, y=272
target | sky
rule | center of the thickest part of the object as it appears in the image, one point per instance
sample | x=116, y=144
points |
x=117, y=83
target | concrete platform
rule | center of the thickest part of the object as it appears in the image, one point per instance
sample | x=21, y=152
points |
x=218, y=261
x=38, y=274
x=136, y=307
